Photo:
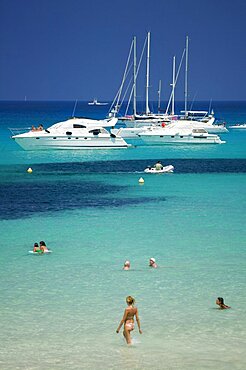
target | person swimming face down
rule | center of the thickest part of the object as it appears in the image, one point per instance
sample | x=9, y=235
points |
x=126, y=265
x=152, y=263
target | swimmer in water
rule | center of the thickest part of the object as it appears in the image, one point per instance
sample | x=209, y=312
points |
x=127, y=265
x=152, y=263
x=128, y=319
x=43, y=247
x=221, y=304
x=36, y=248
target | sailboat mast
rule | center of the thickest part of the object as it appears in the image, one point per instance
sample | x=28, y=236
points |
x=159, y=97
x=135, y=76
x=186, y=74
x=147, y=75
x=173, y=85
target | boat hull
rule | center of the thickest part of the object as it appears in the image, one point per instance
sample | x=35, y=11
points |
x=165, y=169
x=239, y=127
x=69, y=143
x=130, y=135
x=179, y=139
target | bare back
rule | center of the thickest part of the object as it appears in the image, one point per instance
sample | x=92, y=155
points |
x=130, y=312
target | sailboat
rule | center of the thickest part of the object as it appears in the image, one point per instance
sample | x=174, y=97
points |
x=199, y=119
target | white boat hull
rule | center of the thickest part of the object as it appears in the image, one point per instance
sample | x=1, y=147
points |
x=75, y=133
x=130, y=135
x=165, y=169
x=163, y=137
x=215, y=129
x=70, y=142
x=239, y=127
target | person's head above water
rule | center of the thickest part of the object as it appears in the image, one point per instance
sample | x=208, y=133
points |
x=152, y=262
x=126, y=265
x=42, y=243
x=220, y=302
x=35, y=245
x=130, y=300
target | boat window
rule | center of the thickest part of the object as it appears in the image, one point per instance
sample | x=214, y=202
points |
x=172, y=136
x=76, y=125
x=95, y=131
x=69, y=133
x=69, y=137
x=85, y=138
x=161, y=136
x=37, y=138
x=54, y=137
x=199, y=130
x=76, y=138
x=181, y=137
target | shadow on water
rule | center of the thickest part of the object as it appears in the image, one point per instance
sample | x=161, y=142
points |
x=181, y=166
x=66, y=186
x=28, y=198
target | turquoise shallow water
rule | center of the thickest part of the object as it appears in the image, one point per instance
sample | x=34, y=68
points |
x=64, y=308
x=61, y=310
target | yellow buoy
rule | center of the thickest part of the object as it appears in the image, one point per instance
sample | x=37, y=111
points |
x=29, y=170
x=141, y=180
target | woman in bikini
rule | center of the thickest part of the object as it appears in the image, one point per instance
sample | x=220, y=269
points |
x=36, y=248
x=128, y=319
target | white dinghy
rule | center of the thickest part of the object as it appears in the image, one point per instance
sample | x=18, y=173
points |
x=165, y=169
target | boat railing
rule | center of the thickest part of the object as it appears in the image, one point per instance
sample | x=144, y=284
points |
x=19, y=130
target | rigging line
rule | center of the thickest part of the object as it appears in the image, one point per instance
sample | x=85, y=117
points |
x=118, y=94
x=119, y=104
x=126, y=93
x=75, y=105
x=124, y=75
x=192, y=103
x=177, y=75
x=139, y=64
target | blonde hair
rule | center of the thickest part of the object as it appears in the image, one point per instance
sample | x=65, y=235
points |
x=130, y=300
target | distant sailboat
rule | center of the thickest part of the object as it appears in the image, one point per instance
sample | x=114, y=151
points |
x=96, y=102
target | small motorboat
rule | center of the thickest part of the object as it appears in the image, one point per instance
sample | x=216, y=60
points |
x=165, y=169
x=96, y=102
x=239, y=126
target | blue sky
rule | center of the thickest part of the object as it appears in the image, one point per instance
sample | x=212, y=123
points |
x=77, y=49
